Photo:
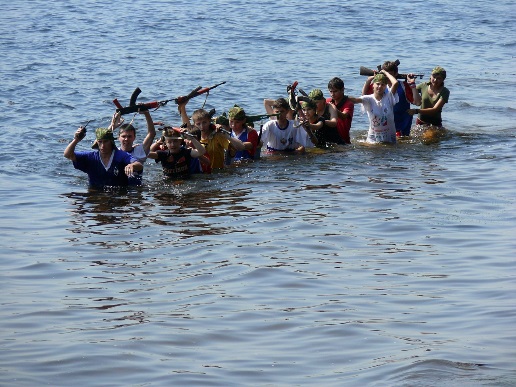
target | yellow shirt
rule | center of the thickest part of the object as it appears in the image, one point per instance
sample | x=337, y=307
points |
x=215, y=146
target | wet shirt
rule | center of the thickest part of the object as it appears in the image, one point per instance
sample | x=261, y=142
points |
x=175, y=165
x=112, y=175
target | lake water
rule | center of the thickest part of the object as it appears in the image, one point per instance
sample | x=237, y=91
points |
x=364, y=266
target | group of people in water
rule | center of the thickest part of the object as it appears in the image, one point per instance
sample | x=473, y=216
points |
x=204, y=143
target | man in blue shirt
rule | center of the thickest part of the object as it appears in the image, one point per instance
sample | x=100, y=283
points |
x=106, y=166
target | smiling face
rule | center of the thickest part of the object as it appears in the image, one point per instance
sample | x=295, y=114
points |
x=309, y=112
x=436, y=80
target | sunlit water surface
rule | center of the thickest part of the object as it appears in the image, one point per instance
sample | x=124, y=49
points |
x=386, y=265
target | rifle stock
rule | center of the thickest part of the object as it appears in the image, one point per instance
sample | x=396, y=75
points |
x=369, y=72
x=133, y=106
x=251, y=119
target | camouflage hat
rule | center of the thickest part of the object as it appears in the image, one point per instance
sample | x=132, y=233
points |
x=316, y=94
x=170, y=132
x=380, y=78
x=236, y=113
x=439, y=71
x=309, y=104
x=103, y=134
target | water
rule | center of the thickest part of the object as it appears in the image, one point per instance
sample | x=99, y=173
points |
x=365, y=266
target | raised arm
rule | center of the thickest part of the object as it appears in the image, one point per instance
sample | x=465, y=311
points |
x=411, y=80
x=267, y=104
x=151, y=132
x=393, y=80
x=181, y=107
x=366, y=89
x=199, y=148
x=69, y=152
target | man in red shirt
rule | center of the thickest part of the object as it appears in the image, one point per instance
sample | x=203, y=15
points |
x=343, y=106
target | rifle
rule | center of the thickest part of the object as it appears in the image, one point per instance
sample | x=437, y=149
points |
x=259, y=117
x=195, y=92
x=368, y=72
x=133, y=107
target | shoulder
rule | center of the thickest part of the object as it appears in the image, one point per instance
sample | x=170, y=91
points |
x=252, y=133
x=123, y=156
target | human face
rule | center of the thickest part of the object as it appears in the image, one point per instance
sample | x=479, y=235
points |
x=379, y=88
x=173, y=144
x=236, y=125
x=309, y=112
x=336, y=94
x=203, y=124
x=126, y=139
x=436, y=80
x=105, y=146
x=281, y=112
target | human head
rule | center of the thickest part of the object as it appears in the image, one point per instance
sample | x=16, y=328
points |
x=316, y=95
x=237, y=118
x=103, y=134
x=309, y=107
x=281, y=108
x=439, y=71
x=202, y=119
x=380, y=82
x=236, y=113
x=336, y=88
x=305, y=105
x=438, y=75
x=126, y=136
x=380, y=78
x=390, y=67
x=222, y=120
x=173, y=139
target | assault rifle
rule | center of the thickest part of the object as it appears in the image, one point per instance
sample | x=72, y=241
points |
x=369, y=72
x=259, y=117
x=134, y=107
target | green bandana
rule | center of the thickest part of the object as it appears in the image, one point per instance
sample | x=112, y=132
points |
x=309, y=105
x=236, y=113
x=380, y=78
x=439, y=71
x=103, y=134
x=316, y=94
